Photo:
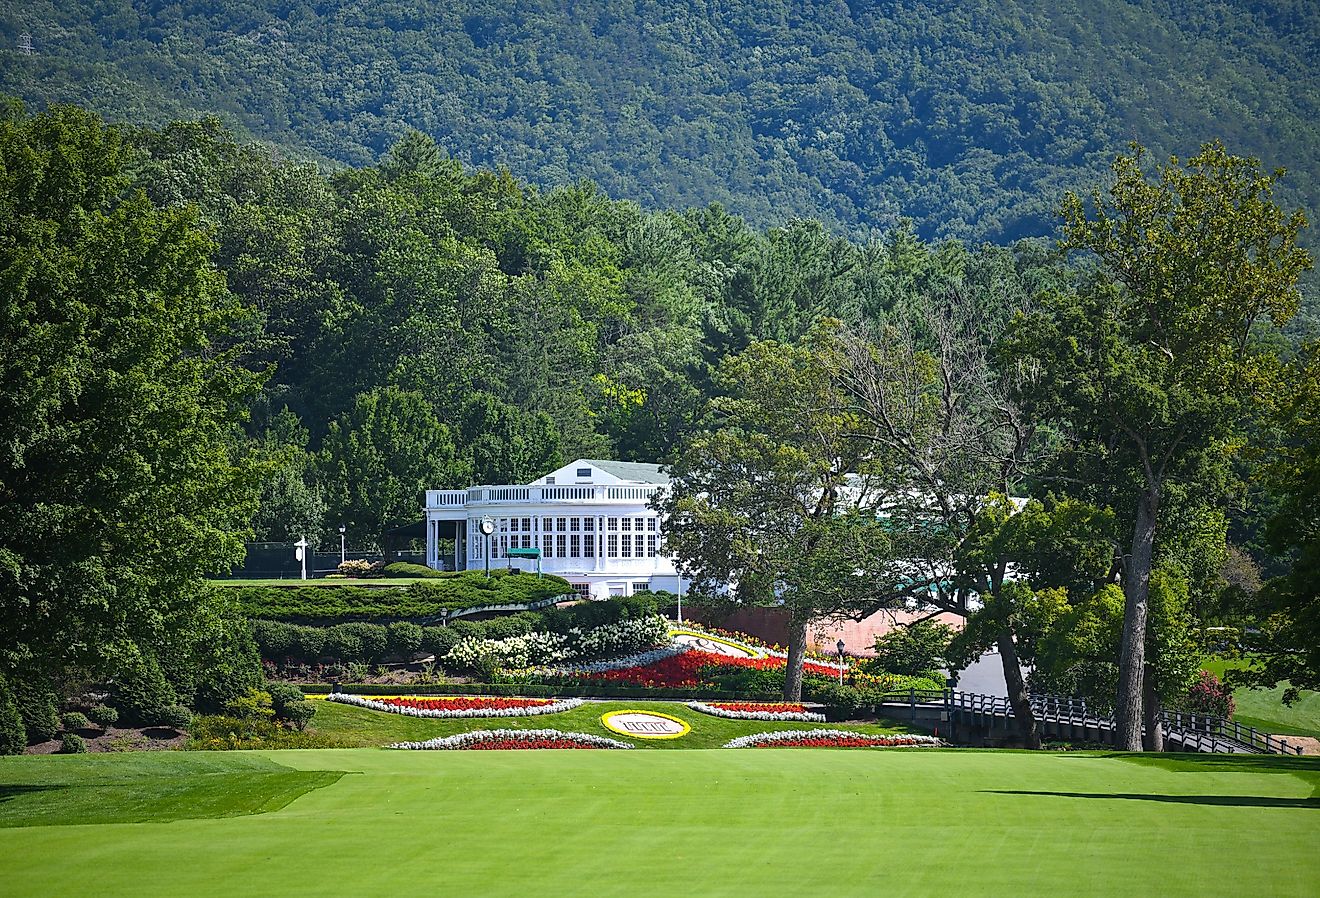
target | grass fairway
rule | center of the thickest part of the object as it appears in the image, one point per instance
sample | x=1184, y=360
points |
x=709, y=823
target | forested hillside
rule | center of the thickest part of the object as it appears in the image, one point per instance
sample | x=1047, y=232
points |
x=969, y=117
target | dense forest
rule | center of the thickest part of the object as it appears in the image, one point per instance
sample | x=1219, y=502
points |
x=972, y=119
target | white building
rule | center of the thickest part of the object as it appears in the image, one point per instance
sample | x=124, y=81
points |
x=590, y=520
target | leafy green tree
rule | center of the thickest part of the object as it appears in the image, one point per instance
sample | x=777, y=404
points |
x=504, y=444
x=123, y=480
x=379, y=458
x=915, y=649
x=1288, y=646
x=291, y=504
x=1151, y=364
x=764, y=498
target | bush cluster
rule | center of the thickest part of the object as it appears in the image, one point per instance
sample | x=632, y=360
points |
x=12, y=737
x=370, y=643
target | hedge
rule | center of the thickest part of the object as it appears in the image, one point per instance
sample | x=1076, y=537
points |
x=420, y=602
x=370, y=643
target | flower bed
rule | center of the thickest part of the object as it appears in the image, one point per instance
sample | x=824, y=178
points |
x=826, y=739
x=459, y=706
x=757, y=711
x=682, y=669
x=507, y=740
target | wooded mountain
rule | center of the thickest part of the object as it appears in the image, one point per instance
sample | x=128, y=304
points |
x=970, y=117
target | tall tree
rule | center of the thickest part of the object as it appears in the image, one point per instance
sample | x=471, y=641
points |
x=379, y=458
x=1151, y=363
x=775, y=497
x=122, y=482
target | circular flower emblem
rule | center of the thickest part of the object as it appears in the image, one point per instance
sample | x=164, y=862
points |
x=645, y=724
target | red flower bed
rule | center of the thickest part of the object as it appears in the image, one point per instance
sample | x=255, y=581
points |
x=839, y=742
x=466, y=703
x=519, y=744
x=768, y=707
x=684, y=669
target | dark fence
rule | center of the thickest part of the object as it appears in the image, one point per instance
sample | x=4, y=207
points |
x=278, y=561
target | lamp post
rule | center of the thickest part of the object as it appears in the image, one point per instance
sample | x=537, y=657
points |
x=840, y=646
x=342, y=556
x=300, y=553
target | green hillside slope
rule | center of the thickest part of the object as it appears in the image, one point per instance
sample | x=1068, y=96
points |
x=970, y=117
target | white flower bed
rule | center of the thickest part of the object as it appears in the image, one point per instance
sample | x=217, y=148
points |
x=806, y=716
x=466, y=740
x=564, y=704
x=640, y=659
x=537, y=649
x=770, y=738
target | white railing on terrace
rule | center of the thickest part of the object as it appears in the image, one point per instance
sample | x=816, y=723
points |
x=524, y=494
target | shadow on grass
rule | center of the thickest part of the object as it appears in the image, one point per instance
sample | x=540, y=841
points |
x=10, y=791
x=1241, y=801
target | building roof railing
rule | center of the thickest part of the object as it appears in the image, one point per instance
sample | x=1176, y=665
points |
x=537, y=495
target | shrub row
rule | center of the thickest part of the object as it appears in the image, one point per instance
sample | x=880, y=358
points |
x=371, y=643
x=535, y=690
x=422, y=600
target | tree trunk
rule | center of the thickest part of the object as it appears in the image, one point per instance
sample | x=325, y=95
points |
x=1154, y=739
x=797, y=649
x=1132, y=655
x=1017, y=691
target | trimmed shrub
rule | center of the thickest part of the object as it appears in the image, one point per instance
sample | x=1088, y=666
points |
x=403, y=639
x=309, y=642
x=74, y=720
x=1209, y=696
x=299, y=713
x=39, y=710
x=275, y=639
x=282, y=695
x=140, y=691
x=356, y=642
x=256, y=705
x=72, y=744
x=505, y=627
x=439, y=641
x=12, y=737
x=176, y=716
x=469, y=629
x=103, y=716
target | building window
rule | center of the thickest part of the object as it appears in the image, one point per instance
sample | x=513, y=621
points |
x=627, y=524
x=549, y=481
x=638, y=528
x=575, y=546
x=650, y=545
x=616, y=591
x=547, y=525
x=582, y=589
x=627, y=546
x=650, y=524
x=574, y=524
x=527, y=525
x=526, y=540
x=641, y=586
x=611, y=523
x=561, y=545
x=588, y=546
x=547, y=545
x=612, y=547
x=584, y=472
x=588, y=524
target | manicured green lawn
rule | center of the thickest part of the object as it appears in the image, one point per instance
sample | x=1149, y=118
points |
x=1264, y=708
x=761, y=822
x=348, y=726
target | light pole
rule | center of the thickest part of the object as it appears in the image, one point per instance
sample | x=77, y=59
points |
x=487, y=527
x=300, y=553
x=840, y=646
x=342, y=556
